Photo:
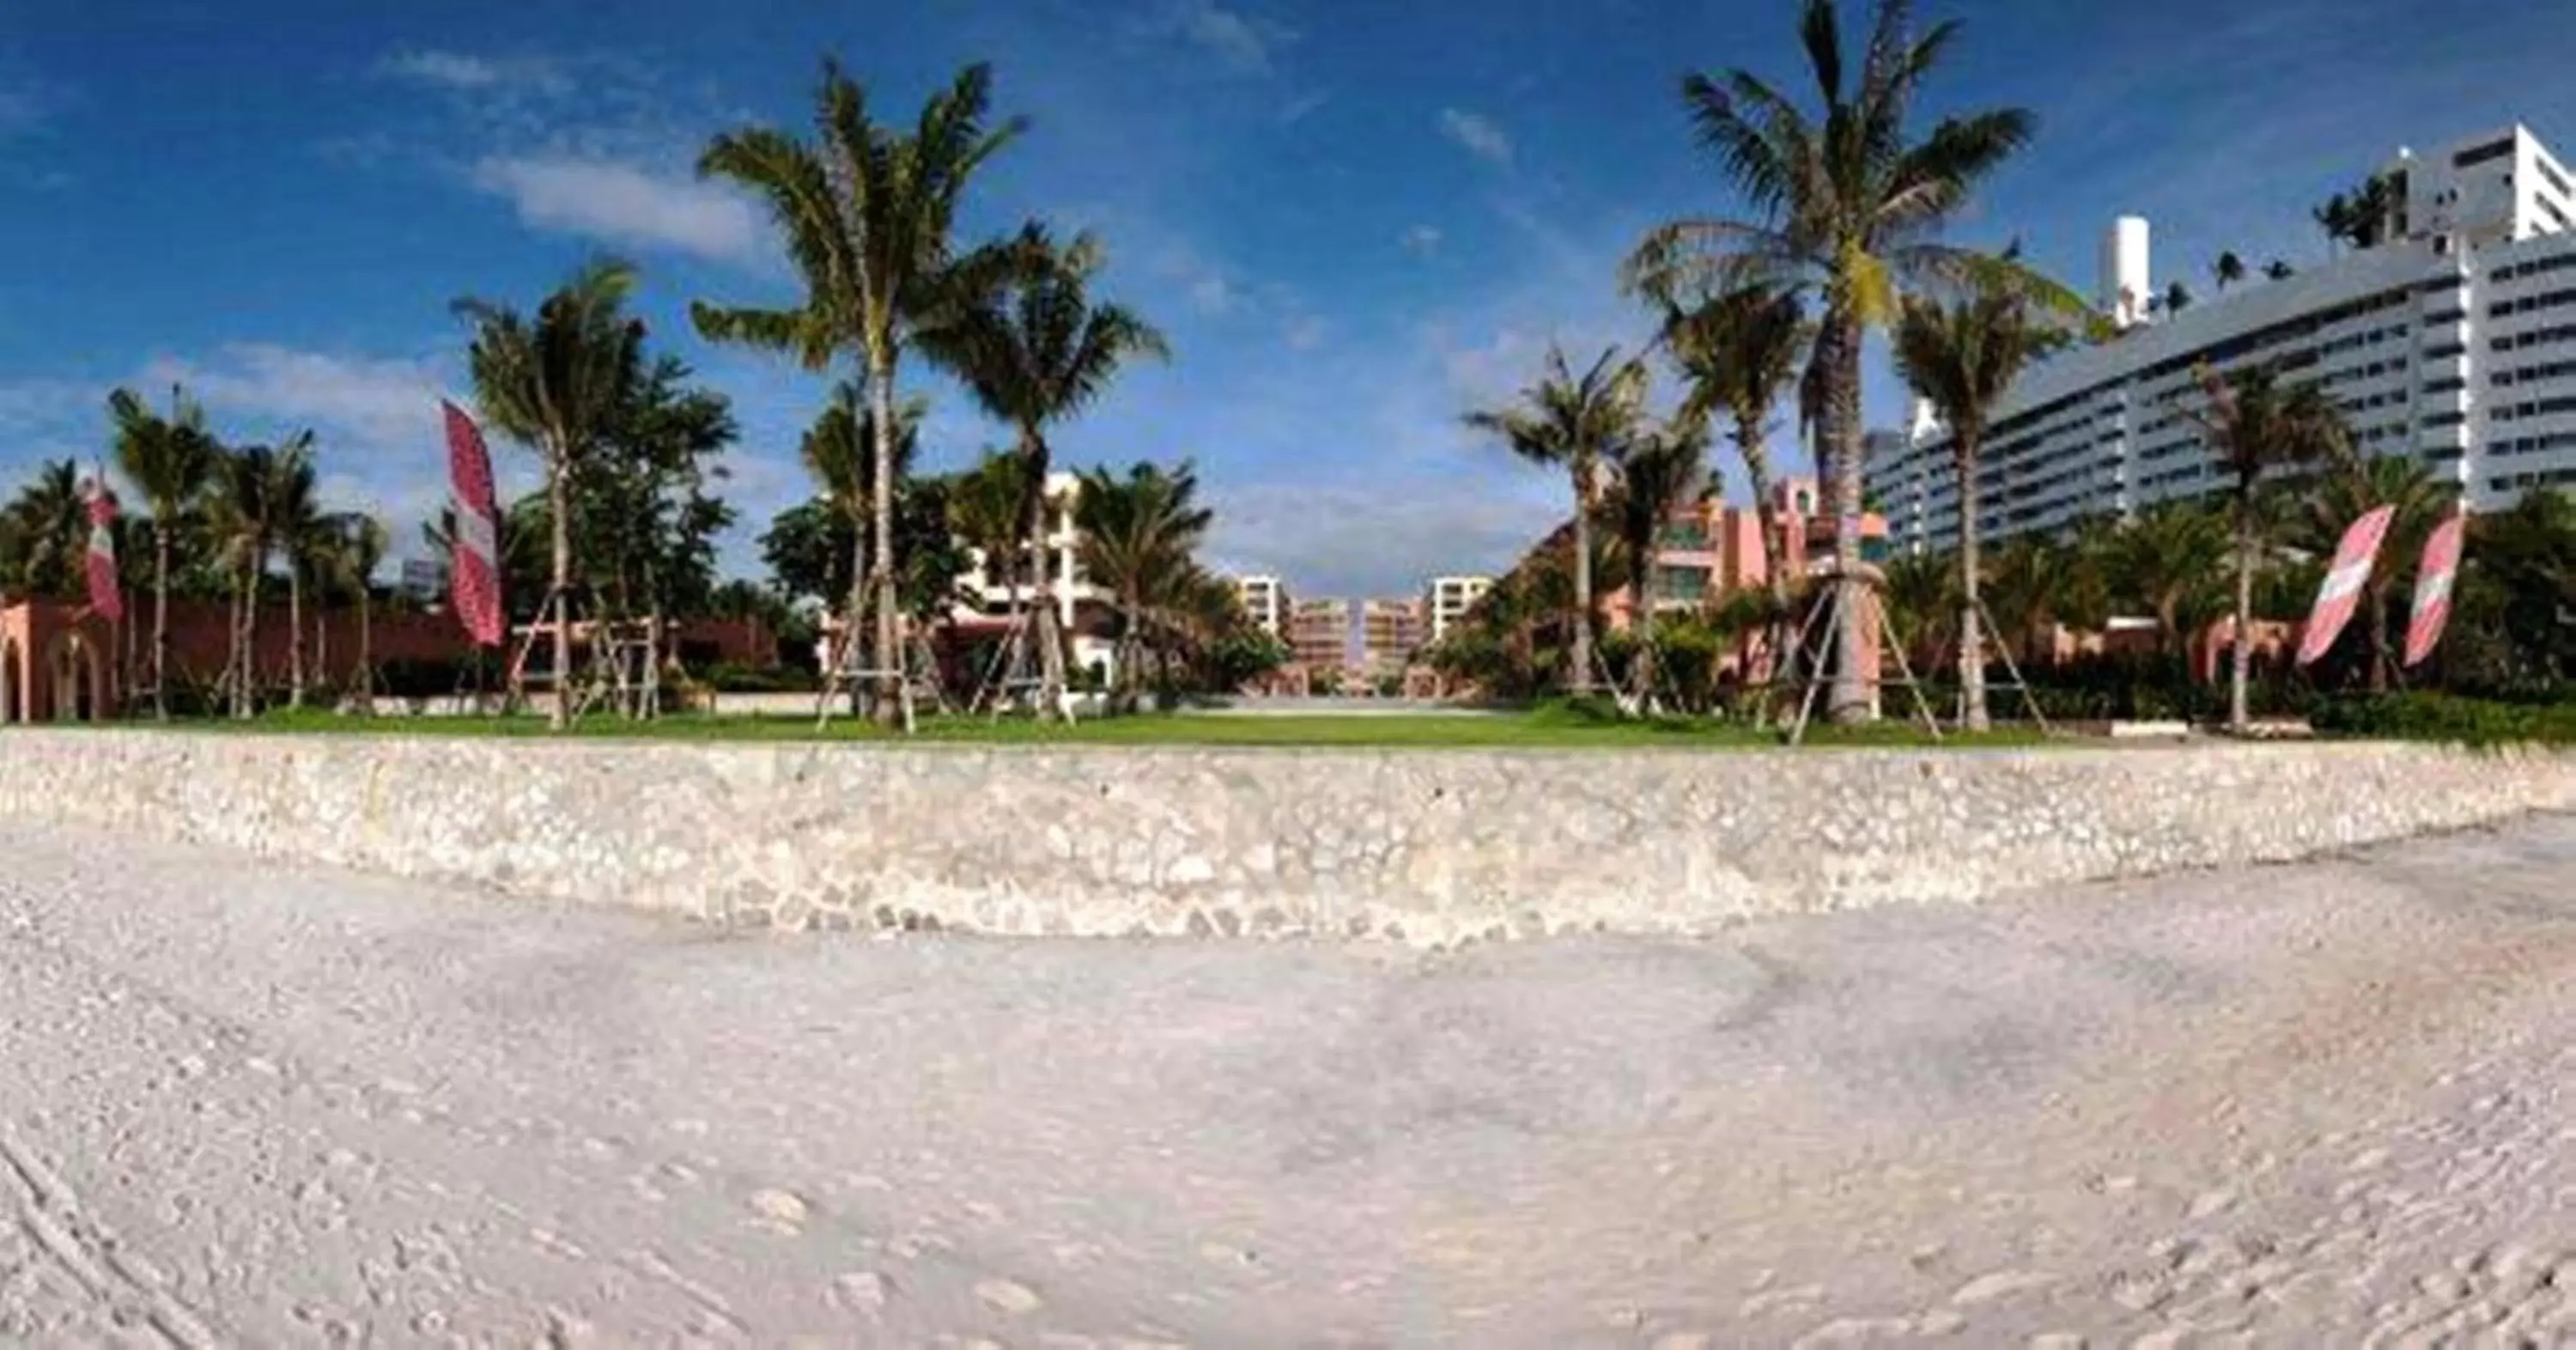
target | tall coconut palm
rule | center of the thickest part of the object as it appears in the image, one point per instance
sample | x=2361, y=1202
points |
x=1737, y=354
x=2418, y=502
x=1843, y=201
x=840, y=454
x=2228, y=270
x=169, y=461
x=1035, y=353
x=302, y=533
x=1961, y=357
x=1137, y=536
x=1660, y=472
x=2256, y=425
x=1574, y=422
x=867, y=216
x=557, y=384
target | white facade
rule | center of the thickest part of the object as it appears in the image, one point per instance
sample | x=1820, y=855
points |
x=1448, y=599
x=988, y=588
x=1265, y=600
x=2455, y=342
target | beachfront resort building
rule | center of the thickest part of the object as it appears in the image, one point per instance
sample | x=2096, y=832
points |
x=1447, y=599
x=2453, y=340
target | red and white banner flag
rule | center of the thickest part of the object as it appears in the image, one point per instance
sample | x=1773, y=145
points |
x=474, y=564
x=105, y=599
x=2433, y=579
x=2341, y=593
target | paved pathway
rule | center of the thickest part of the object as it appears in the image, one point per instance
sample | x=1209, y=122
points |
x=2315, y=1105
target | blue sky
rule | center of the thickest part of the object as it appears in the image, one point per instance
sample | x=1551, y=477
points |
x=1355, y=218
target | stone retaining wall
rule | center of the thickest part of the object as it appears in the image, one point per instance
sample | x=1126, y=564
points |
x=1424, y=846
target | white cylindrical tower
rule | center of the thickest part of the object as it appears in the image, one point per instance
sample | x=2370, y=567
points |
x=2126, y=280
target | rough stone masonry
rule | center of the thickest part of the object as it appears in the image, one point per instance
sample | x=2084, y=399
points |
x=1415, y=846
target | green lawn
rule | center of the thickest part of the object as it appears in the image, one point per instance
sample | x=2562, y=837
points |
x=1541, y=728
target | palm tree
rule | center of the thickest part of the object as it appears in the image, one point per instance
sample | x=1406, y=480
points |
x=1034, y=354
x=866, y=216
x=1574, y=422
x=1962, y=357
x=985, y=512
x=2177, y=299
x=2169, y=560
x=839, y=451
x=170, y=461
x=2228, y=270
x=1845, y=202
x=357, y=542
x=1738, y=353
x=557, y=384
x=242, y=502
x=2278, y=270
x=52, y=529
x=1137, y=537
x=2256, y=425
x=2419, y=502
x=301, y=532
x=1660, y=471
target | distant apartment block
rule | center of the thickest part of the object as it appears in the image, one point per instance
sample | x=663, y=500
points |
x=1391, y=631
x=1319, y=634
x=2451, y=342
x=1266, y=601
x=1447, y=601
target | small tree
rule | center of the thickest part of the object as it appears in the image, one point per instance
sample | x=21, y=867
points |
x=2255, y=426
x=170, y=461
x=558, y=385
x=1574, y=422
x=1660, y=471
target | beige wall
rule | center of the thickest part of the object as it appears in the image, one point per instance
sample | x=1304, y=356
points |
x=1428, y=846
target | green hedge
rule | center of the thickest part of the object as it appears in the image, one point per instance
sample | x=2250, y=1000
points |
x=2446, y=717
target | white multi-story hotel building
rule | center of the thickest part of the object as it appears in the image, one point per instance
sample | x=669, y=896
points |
x=2454, y=341
x=1447, y=599
x=1266, y=603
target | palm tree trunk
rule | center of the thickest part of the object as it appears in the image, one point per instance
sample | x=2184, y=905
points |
x=1766, y=515
x=161, y=619
x=1972, y=643
x=1580, y=654
x=322, y=641
x=1854, y=697
x=1048, y=627
x=294, y=632
x=559, y=506
x=881, y=510
x=2239, y=707
x=2379, y=661
x=1644, y=675
x=366, y=672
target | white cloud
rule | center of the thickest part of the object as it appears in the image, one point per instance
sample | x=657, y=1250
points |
x=467, y=72
x=1374, y=535
x=1305, y=333
x=1241, y=41
x=371, y=405
x=1211, y=294
x=1481, y=135
x=623, y=204
x=1299, y=109
x=1422, y=241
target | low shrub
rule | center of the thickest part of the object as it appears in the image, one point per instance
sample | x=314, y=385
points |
x=2446, y=717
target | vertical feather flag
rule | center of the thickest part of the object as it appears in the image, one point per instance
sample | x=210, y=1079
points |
x=474, y=564
x=2433, y=580
x=2341, y=593
x=105, y=599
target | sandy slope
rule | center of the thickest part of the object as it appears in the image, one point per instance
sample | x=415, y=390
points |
x=2318, y=1105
